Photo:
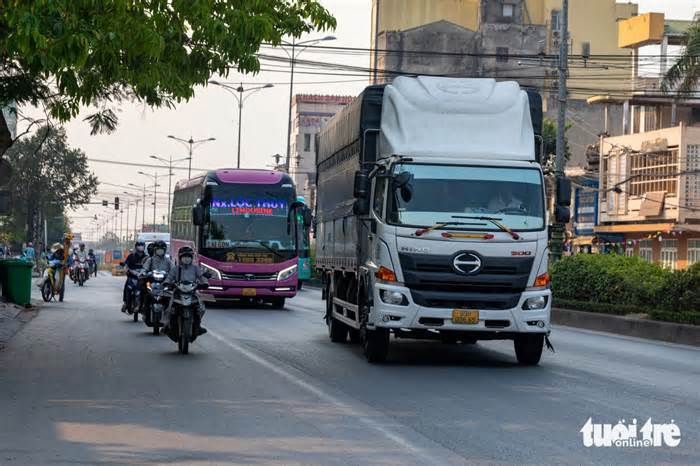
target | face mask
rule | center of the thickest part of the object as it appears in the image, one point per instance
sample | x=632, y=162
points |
x=187, y=260
x=140, y=248
x=160, y=252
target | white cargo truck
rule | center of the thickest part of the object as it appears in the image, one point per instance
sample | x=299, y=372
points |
x=431, y=217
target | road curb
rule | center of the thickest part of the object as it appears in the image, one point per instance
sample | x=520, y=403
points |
x=629, y=326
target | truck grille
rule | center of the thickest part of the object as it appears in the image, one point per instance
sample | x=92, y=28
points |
x=434, y=283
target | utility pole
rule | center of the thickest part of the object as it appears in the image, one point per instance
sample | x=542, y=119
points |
x=557, y=230
x=155, y=185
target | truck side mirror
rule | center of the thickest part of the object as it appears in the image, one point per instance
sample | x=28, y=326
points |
x=563, y=191
x=362, y=185
x=198, y=214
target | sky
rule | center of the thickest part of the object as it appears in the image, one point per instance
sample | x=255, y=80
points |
x=213, y=112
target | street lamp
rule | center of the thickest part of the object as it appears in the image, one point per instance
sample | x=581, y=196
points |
x=170, y=163
x=143, y=210
x=292, y=57
x=240, y=90
x=191, y=143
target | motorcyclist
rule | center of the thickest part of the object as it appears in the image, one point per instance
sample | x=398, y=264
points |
x=185, y=271
x=92, y=260
x=134, y=261
x=158, y=261
x=81, y=253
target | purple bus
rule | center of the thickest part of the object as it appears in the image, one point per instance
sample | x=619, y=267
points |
x=241, y=225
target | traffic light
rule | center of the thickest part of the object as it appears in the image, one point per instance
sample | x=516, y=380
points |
x=105, y=203
x=116, y=203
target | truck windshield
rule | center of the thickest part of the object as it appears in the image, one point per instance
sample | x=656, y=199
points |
x=248, y=224
x=436, y=193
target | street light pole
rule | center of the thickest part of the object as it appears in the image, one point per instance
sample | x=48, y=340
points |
x=190, y=144
x=170, y=163
x=155, y=184
x=240, y=90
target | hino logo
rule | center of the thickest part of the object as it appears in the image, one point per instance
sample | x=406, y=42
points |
x=249, y=276
x=466, y=263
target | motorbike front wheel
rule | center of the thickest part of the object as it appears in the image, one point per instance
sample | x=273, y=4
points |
x=46, y=291
x=183, y=343
x=155, y=320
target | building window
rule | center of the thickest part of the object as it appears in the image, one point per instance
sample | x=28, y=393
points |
x=307, y=142
x=556, y=20
x=693, y=251
x=652, y=172
x=508, y=10
x=501, y=54
x=646, y=250
x=692, y=187
x=669, y=253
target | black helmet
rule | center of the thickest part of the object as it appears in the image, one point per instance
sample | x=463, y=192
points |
x=185, y=251
x=90, y=251
x=160, y=244
x=151, y=249
x=82, y=245
x=139, y=243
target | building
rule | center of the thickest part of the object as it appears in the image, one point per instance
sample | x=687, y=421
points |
x=309, y=113
x=649, y=201
x=482, y=38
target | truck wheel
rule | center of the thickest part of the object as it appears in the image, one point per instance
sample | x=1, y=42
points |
x=528, y=348
x=354, y=334
x=376, y=345
x=337, y=330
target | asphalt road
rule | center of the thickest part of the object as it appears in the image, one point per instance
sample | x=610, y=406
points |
x=82, y=384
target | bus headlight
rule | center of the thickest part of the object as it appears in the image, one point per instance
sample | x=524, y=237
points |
x=214, y=273
x=286, y=273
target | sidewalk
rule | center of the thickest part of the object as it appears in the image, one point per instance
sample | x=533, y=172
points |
x=13, y=317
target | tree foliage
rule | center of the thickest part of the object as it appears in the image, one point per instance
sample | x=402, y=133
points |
x=64, y=54
x=684, y=75
x=49, y=176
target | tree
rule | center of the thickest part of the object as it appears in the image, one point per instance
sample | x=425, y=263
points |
x=684, y=75
x=549, y=137
x=64, y=54
x=49, y=177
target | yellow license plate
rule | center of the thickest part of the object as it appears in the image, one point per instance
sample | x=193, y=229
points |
x=250, y=292
x=465, y=317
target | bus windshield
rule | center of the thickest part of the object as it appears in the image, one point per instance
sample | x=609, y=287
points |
x=247, y=223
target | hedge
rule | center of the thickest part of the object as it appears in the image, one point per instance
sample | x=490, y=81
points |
x=622, y=285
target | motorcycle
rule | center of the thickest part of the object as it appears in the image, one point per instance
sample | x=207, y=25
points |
x=133, y=294
x=49, y=286
x=184, y=318
x=82, y=271
x=156, y=300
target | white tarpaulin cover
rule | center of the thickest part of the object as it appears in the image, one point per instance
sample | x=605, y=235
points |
x=456, y=117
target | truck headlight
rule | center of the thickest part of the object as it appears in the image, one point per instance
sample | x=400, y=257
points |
x=535, y=303
x=286, y=273
x=393, y=297
x=214, y=273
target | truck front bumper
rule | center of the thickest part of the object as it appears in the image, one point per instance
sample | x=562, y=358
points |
x=413, y=316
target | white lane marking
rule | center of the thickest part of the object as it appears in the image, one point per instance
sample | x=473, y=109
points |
x=328, y=398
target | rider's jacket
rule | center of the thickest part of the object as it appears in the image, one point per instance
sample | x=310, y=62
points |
x=186, y=273
x=81, y=254
x=135, y=260
x=157, y=263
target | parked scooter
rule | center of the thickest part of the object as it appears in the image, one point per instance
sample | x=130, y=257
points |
x=184, y=318
x=155, y=301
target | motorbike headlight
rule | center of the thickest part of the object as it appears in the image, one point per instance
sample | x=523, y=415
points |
x=215, y=273
x=286, y=273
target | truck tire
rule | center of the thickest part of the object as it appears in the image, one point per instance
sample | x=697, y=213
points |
x=337, y=331
x=528, y=348
x=376, y=345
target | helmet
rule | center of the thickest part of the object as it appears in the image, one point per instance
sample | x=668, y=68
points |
x=82, y=245
x=160, y=244
x=185, y=251
x=151, y=249
x=139, y=244
x=90, y=251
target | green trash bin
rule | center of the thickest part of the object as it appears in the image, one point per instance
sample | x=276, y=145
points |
x=17, y=286
x=3, y=276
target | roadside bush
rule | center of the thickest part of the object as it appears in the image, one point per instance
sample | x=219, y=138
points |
x=681, y=292
x=609, y=278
